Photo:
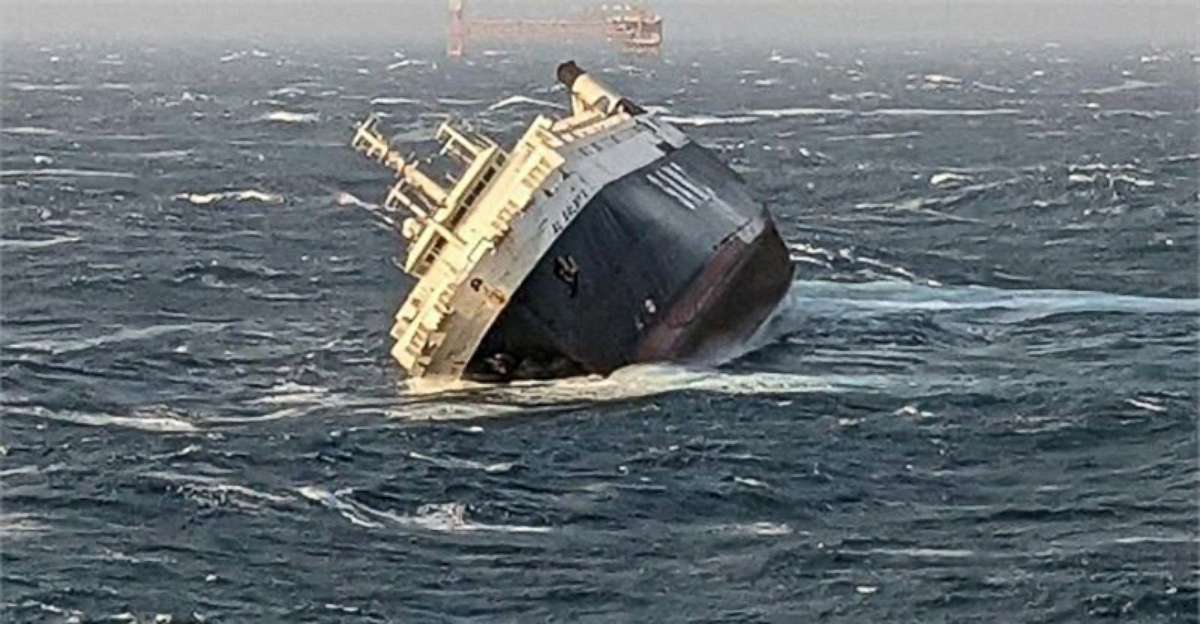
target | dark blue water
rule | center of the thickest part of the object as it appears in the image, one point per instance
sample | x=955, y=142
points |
x=978, y=403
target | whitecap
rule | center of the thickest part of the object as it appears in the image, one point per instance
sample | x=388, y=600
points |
x=949, y=180
x=983, y=86
x=212, y=491
x=871, y=95
x=42, y=159
x=27, y=86
x=708, y=120
x=407, y=63
x=66, y=173
x=1155, y=539
x=780, y=59
x=343, y=198
x=848, y=300
x=445, y=517
x=779, y=113
x=751, y=482
x=456, y=462
x=391, y=101
x=165, y=154
x=16, y=525
x=874, y=136
x=1130, y=181
x=11, y=243
x=941, y=79
x=1080, y=179
x=458, y=102
x=204, y=199
x=631, y=382
x=1128, y=85
x=1137, y=114
x=765, y=529
x=151, y=422
x=1146, y=404
x=923, y=553
x=30, y=131
x=289, y=91
x=941, y=112
x=521, y=99
x=124, y=334
x=289, y=393
x=283, y=116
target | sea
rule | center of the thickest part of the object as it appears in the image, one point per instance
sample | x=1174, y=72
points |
x=977, y=402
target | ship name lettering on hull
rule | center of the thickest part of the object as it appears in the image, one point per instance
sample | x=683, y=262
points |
x=567, y=214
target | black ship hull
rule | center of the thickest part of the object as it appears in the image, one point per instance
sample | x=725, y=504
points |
x=674, y=261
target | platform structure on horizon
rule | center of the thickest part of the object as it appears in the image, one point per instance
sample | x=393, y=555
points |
x=633, y=27
x=598, y=240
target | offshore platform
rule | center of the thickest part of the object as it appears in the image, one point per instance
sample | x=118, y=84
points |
x=632, y=27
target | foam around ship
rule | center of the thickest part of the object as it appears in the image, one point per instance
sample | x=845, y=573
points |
x=599, y=240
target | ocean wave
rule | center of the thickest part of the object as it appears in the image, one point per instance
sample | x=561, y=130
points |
x=1128, y=85
x=874, y=136
x=29, y=86
x=632, y=382
x=753, y=116
x=949, y=180
x=283, y=116
x=983, y=86
x=517, y=100
x=846, y=299
x=917, y=553
x=401, y=64
x=241, y=54
x=23, y=244
x=204, y=199
x=708, y=120
x=65, y=173
x=941, y=112
x=456, y=462
x=780, y=113
x=343, y=198
x=440, y=517
x=458, y=102
x=15, y=526
x=289, y=91
x=779, y=59
x=209, y=491
x=392, y=101
x=153, y=422
x=164, y=154
x=291, y=393
x=762, y=529
x=941, y=80
x=30, y=131
x=63, y=346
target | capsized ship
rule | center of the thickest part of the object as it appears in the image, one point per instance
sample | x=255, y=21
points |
x=601, y=239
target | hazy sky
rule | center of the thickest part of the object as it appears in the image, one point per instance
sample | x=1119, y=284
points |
x=783, y=21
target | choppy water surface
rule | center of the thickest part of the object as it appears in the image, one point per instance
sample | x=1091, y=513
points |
x=977, y=404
